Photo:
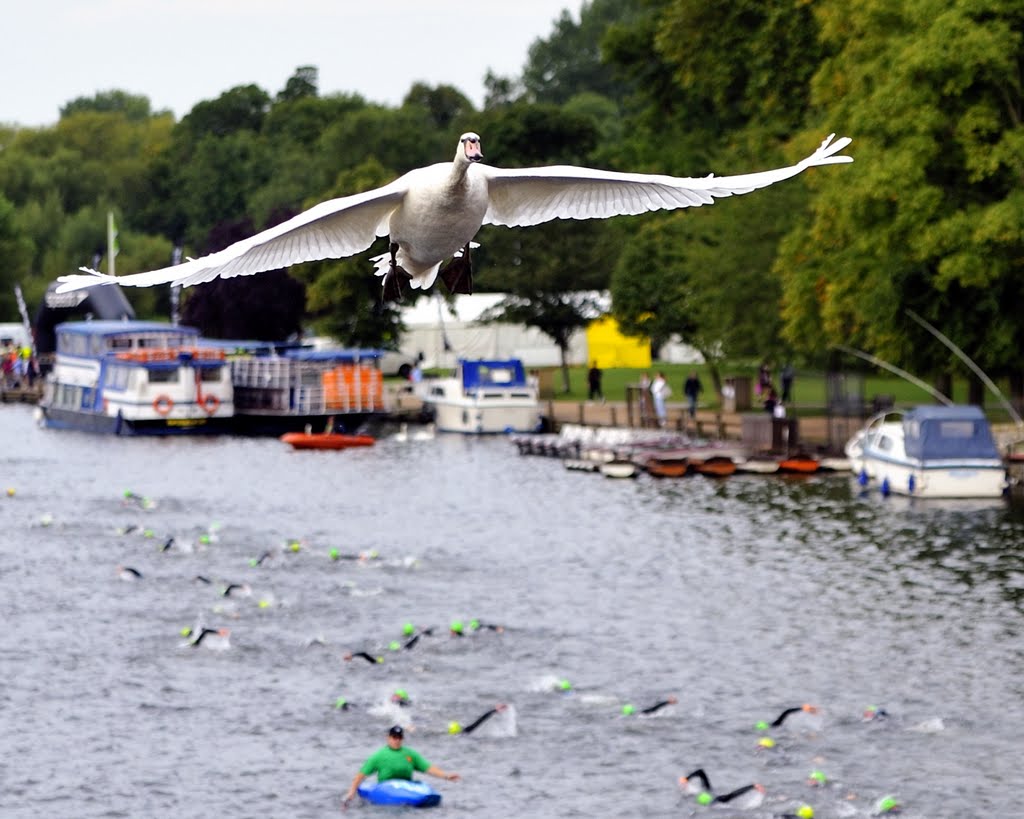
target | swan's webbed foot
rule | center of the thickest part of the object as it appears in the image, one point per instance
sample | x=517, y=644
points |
x=457, y=275
x=393, y=279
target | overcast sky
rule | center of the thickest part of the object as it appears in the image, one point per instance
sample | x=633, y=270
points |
x=178, y=52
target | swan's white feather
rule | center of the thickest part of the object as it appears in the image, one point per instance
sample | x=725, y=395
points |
x=432, y=212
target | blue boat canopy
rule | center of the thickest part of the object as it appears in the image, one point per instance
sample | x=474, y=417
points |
x=939, y=432
x=492, y=373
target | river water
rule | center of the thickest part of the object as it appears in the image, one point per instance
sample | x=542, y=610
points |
x=740, y=597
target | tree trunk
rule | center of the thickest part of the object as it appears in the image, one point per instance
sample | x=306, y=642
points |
x=564, y=351
x=944, y=384
x=975, y=391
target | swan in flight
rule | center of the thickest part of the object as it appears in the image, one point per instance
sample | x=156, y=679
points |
x=431, y=214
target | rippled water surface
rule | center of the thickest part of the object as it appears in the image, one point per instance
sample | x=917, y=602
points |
x=741, y=598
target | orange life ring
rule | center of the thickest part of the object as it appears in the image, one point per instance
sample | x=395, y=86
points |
x=163, y=404
x=210, y=403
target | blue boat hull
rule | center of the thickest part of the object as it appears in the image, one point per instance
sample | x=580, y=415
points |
x=400, y=792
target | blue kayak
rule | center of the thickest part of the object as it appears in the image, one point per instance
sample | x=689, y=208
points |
x=400, y=792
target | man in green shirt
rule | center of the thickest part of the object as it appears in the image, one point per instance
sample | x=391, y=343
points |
x=395, y=762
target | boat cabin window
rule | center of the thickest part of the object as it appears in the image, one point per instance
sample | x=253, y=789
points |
x=121, y=343
x=496, y=375
x=956, y=429
x=210, y=374
x=162, y=376
x=884, y=443
x=117, y=377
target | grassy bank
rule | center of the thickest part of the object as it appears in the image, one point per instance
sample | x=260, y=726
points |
x=809, y=390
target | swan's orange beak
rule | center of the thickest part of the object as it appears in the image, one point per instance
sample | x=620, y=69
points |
x=472, y=149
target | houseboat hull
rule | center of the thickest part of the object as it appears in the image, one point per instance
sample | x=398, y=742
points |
x=136, y=378
x=930, y=452
x=484, y=397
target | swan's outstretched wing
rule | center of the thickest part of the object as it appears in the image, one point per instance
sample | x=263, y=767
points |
x=529, y=196
x=330, y=230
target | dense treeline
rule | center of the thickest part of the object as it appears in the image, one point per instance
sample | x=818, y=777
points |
x=930, y=217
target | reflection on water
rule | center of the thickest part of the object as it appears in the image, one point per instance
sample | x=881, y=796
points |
x=741, y=597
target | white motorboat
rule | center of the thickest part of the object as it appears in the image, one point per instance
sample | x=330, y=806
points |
x=930, y=452
x=484, y=396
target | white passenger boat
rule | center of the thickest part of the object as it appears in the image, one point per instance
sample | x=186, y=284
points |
x=484, y=396
x=930, y=452
x=136, y=378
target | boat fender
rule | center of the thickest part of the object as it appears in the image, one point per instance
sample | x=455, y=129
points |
x=210, y=403
x=911, y=484
x=862, y=478
x=886, y=489
x=163, y=404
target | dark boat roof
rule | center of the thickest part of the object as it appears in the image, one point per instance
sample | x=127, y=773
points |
x=938, y=432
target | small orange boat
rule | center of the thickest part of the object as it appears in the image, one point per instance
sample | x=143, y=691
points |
x=804, y=464
x=718, y=466
x=326, y=440
x=667, y=468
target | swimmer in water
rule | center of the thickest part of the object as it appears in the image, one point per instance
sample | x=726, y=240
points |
x=781, y=718
x=237, y=589
x=201, y=579
x=168, y=544
x=476, y=625
x=362, y=654
x=696, y=783
x=400, y=697
x=746, y=798
x=455, y=728
x=128, y=573
x=873, y=713
x=416, y=637
x=651, y=709
x=214, y=637
x=258, y=561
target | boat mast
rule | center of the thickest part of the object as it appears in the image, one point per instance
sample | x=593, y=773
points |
x=913, y=379
x=977, y=370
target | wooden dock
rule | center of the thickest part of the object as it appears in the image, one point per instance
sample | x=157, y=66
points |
x=21, y=395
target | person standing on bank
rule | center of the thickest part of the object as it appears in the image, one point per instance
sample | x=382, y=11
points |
x=594, y=383
x=787, y=383
x=692, y=389
x=660, y=391
x=395, y=762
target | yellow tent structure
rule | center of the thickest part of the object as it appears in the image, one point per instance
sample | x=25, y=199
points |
x=610, y=348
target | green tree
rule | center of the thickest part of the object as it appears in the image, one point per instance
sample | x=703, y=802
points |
x=134, y=107
x=16, y=250
x=931, y=215
x=304, y=83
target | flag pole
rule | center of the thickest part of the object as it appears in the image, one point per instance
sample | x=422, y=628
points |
x=111, y=242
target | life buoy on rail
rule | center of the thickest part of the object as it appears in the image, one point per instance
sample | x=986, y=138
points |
x=163, y=404
x=210, y=403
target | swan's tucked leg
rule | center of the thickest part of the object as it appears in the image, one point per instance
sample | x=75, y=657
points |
x=457, y=275
x=393, y=278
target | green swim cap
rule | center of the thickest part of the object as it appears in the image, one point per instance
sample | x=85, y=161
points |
x=394, y=645
x=761, y=725
x=401, y=694
x=627, y=709
x=334, y=554
x=204, y=538
x=565, y=685
x=408, y=628
x=474, y=624
x=805, y=812
x=456, y=626
x=704, y=798
x=341, y=702
x=766, y=742
x=817, y=777
x=887, y=803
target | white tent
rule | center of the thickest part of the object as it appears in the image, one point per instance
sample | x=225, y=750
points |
x=430, y=323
